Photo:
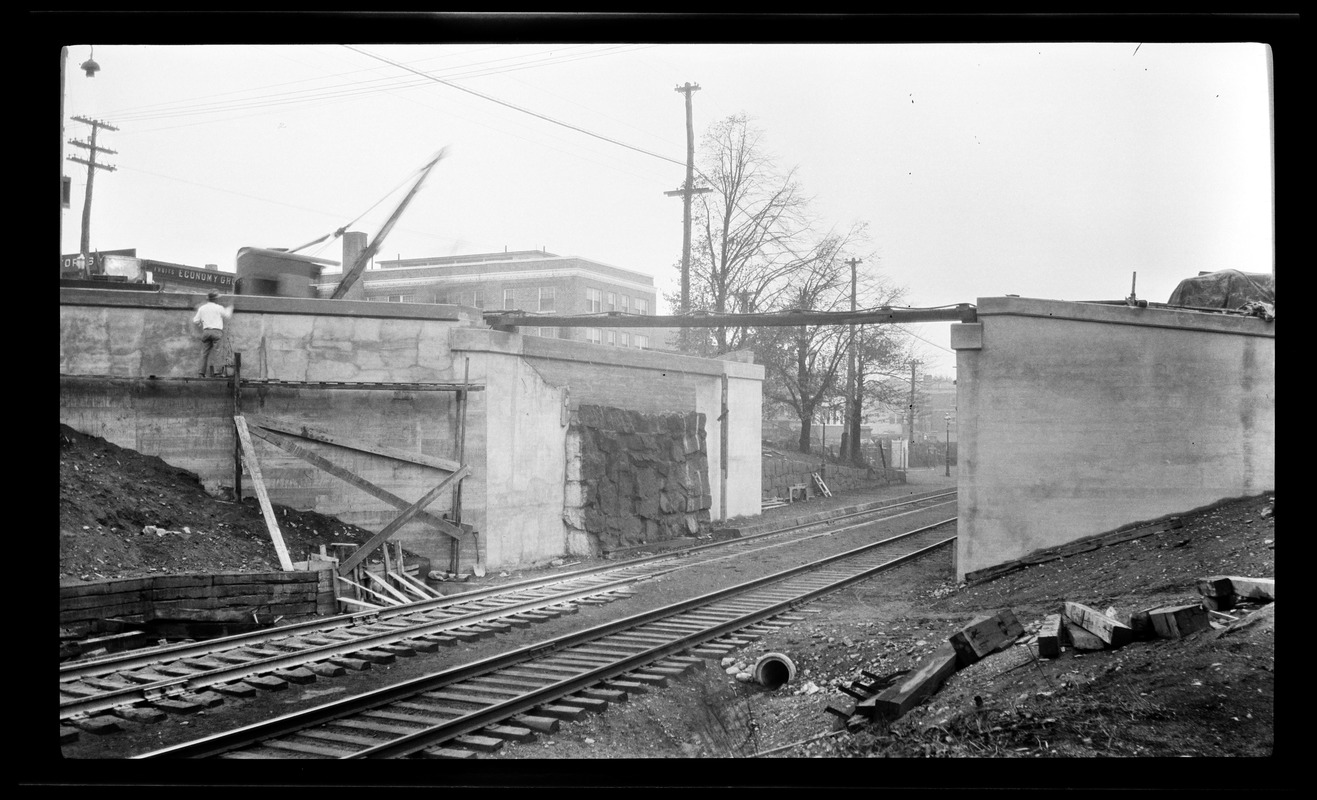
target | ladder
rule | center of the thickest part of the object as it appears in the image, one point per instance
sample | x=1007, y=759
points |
x=823, y=487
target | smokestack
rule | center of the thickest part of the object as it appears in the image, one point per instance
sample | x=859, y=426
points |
x=354, y=244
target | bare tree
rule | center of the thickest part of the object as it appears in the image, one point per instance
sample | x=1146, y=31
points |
x=751, y=231
x=801, y=364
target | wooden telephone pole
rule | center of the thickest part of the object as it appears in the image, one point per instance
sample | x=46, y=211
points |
x=851, y=446
x=686, y=192
x=92, y=166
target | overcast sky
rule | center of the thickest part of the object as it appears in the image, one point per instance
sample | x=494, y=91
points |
x=1046, y=170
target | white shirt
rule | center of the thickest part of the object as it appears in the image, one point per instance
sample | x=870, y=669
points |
x=212, y=315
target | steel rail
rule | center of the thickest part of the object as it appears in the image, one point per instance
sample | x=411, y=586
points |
x=309, y=653
x=312, y=653
x=292, y=723
x=145, y=657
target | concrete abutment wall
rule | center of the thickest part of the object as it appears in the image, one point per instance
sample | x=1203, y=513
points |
x=112, y=343
x=1079, y=418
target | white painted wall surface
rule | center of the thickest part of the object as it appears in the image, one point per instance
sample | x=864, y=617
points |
x=1076, y=419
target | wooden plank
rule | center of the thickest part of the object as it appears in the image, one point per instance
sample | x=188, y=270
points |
x=237, y=412
x=410, y=587
x=402, y=519
x=366, y=486
x=1049, y=636
x=382, y=598
x=383, y=584
x=986, y=635
x=1255, y=588
x=1080, y=638
x=318, y=435
x=1137, y=621
x=899, y=698
x=1110, y=631
x=1174, y=622
x=254, y=469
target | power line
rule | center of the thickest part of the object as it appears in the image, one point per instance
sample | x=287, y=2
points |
x=514, y=107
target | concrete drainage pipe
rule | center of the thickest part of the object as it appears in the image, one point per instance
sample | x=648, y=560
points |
x=773, y=670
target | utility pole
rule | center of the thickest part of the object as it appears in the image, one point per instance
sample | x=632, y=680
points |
x=852, y=383
x=92, y=166
x=910, y=437
x=686, y=191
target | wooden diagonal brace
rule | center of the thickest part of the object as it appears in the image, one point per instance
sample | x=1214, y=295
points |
x=254, y=469
x=318, y=435
x=402, y=519
x=455, y=531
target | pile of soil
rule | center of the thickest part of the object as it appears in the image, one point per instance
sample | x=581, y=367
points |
x=123, y=514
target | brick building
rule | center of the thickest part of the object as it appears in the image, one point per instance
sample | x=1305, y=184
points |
x=533, y=281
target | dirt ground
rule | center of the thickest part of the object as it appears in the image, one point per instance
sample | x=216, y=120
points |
x=1210, y=694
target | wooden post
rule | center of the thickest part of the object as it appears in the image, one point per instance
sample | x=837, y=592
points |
x=462, y=398
x=722, y=452
x=237, y=412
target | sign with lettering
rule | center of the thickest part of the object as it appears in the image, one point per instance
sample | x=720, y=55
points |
x=69, y=261
x=173, y=273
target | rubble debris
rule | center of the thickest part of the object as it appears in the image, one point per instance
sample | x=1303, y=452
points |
x=1174, y=622
x=1112, y=633
x=985, y=635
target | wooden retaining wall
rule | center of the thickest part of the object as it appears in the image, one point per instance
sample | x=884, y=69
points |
x=225, y=597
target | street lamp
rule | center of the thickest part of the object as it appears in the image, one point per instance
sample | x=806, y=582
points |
x=948, y=419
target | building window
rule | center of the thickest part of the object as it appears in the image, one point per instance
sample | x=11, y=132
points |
x=592, y=335
x=594, y=301
x=642, y=341
x=611, y=305
x=642, y=305
x=478, y=299
x=610, y=338
x=624, y=305
x=547, y=299
x=509, y=299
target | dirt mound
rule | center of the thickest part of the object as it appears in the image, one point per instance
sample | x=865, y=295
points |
x=124, y=514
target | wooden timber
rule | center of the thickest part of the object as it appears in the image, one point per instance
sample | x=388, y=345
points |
x=1113, y=633
x=899, y=698
x=1049, y=636
x=402, y=519
x=985, y=635
x=254, y=469
x=1174, y=622
x=366, y=486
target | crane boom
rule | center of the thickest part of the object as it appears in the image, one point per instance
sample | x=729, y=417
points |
x=351, y=275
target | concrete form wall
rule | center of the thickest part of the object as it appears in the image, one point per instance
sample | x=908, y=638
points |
x=131, y=336
x=1076, y=419
x=516, y=428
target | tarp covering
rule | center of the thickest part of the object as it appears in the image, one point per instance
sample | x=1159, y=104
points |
x=1227, y=288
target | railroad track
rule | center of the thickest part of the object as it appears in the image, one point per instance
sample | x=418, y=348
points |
x=475, y=707
x=140, y=685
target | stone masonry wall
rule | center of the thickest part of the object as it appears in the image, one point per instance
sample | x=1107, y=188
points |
x=783, y=472
x=634, y=479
